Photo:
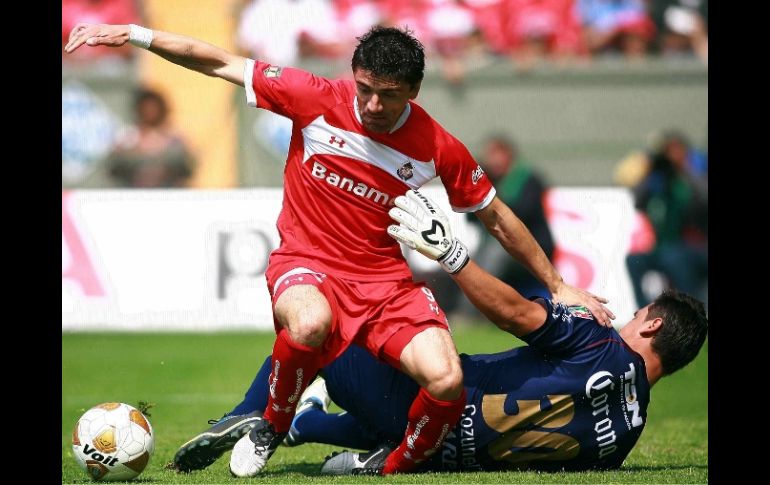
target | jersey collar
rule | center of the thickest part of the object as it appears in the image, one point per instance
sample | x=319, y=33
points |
x=399, y=123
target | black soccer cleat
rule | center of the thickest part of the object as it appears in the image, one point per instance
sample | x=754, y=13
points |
x=351, y=463
x=205, y=448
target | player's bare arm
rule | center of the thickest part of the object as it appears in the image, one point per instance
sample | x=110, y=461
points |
x=425, y=228
x=501, y=304
x=184, y=51
x=514, y=236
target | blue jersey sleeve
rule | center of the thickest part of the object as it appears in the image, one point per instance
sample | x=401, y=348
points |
x=567, y=330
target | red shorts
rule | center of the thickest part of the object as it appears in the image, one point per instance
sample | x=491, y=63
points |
x=382, y=316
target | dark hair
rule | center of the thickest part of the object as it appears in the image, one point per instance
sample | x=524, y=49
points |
x=683, y=332
x=391, y=53
x=502, y=140
x=659, y=140
x=142, y=95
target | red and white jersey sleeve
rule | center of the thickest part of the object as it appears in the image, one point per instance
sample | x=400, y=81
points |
x=468, y=187
x=287, y=91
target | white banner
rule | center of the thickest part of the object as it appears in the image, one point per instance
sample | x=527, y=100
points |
x=181, y=260
x=592, y=229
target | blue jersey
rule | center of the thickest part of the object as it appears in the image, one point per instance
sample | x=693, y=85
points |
x=574, y=399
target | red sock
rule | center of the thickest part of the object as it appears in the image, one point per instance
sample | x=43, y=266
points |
x=430, y=420
x=293, y=365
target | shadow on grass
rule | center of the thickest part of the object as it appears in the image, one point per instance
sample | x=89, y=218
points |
x=311, y=469
x=655, y=468
x=133, y=480
x=314, y=470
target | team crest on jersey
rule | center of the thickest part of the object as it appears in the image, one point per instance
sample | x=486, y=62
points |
x=406, y=171
x=477, y=174
x=580, y=312
x=272, y=71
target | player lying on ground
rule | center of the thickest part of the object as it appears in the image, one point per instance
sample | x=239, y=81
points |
x=576, y=398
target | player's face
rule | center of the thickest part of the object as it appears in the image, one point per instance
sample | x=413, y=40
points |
x=640, y=316
x=380, y=100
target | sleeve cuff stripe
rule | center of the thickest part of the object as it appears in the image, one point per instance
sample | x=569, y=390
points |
x=487, y=200
x=248, y=83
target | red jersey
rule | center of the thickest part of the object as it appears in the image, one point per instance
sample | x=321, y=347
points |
x=340, y=180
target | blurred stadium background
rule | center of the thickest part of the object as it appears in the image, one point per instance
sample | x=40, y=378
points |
x=167, y=220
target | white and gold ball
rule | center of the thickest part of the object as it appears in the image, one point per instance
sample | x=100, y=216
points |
x=113, y=441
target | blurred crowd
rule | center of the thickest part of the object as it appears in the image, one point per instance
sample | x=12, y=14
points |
x=149, y=153
x=524, y=31
x=668, y=179
x=669, y=182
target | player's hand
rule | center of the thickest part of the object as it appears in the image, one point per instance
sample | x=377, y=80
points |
x=571, y=295
x=425, y=228
x=97, y=34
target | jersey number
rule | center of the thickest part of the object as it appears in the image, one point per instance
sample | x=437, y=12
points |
x=519, y=443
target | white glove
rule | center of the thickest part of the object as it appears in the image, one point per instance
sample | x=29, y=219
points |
x=424, y=227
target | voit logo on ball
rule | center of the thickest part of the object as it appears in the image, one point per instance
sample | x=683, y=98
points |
x=113, y=441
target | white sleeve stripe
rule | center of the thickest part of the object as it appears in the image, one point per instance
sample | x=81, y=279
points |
x=295, y=271
x=248, y=78
x=487, y=200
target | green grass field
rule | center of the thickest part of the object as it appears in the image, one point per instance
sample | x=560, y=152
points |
x=195, y=377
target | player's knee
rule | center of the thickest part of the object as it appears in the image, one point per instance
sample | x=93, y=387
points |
x=304, y=312
x=448, y=385
x=310, y=332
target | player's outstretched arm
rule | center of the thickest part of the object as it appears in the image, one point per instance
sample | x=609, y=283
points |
x=500, y=303
x=514, y=236
x=425, y=228
x=188, y=52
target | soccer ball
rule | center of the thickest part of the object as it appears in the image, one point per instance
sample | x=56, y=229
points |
x=113, y=441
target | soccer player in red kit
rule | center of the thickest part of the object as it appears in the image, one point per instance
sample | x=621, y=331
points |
x=337, y=277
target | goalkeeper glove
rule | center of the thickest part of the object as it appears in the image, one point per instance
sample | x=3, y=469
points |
x=424, y=227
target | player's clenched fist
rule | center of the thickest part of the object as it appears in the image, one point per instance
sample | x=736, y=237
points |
x=424, y=227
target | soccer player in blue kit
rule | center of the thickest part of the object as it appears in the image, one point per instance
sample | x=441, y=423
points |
x=574, y=399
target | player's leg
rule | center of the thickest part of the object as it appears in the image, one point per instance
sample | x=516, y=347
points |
x=411, y=334
x=374, y=392
x=431, y=359
x=315, y=425
x=428, y=353
x=311, y=424
x=375, y=395
x=304, y=315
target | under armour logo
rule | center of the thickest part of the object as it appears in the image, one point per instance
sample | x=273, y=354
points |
x=339, y=142
x=433, y=231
